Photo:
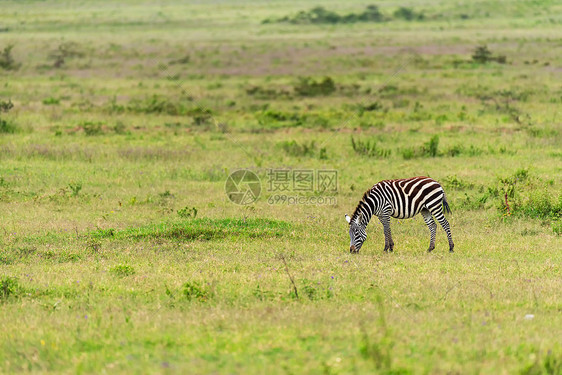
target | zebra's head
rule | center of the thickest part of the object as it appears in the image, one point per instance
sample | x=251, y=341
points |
x=357, y=233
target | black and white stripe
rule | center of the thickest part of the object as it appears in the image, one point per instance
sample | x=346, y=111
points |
x=401, y=199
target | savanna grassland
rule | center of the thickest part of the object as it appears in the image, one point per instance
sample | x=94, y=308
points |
x=121, y=121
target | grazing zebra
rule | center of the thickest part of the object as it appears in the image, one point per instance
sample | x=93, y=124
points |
x=401, y=199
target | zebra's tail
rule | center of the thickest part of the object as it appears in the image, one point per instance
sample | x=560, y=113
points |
x=446, y=204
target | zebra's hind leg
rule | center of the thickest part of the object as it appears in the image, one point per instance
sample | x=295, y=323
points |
x=432, y=227
x=445, y=224
x=388, y=242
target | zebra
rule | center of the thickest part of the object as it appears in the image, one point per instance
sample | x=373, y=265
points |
x=401, y=199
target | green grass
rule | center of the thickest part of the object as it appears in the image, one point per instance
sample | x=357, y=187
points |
x=120, y=251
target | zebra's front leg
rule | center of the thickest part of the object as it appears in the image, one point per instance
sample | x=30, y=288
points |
x=432, y=227
x=388, y=242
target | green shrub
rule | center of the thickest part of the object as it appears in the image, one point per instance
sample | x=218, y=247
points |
x=453, y=182
x=272, y=118
x=9, y=287
x=456, y=150
x=182, y=60
x=307, y=86
x=75, y=188
x=7, y=62
x=374, y=106
x=93, y=244
x=63, y=52
x=428, y=149
x=544, y=365
x=541, y=205
x=369, y=148
x=92, y=128
x=431, y=147
x=122, y=270
x=294, y=148
x=519, y=196
x=188, y=212
x=194, y=291
x=408, y=153
x=557, y=227
x=5, y=125
x=370, y=14
x=162, y=105
x=266, y=93
x=51, y=101
x=408, y=14
x=120, y=128
x=320, y=15
x=483, y=55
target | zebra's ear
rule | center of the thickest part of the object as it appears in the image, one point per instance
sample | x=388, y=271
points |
x=347, y=218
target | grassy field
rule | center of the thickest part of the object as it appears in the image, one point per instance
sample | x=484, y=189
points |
x=120, y=123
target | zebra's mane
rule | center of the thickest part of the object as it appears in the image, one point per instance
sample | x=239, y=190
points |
x=361, y=202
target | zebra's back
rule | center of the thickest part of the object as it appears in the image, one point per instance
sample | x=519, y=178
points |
x=407, y=197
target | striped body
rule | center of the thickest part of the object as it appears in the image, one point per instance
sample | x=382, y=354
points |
x=401, y=199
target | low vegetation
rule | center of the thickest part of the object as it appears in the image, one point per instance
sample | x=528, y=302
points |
x=321, y=15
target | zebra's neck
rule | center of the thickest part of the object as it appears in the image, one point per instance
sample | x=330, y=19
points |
x=365, y=209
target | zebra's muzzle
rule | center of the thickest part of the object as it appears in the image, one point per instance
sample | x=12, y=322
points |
x=352, y=249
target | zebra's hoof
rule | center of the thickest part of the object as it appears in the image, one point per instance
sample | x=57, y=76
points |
x=430, y=249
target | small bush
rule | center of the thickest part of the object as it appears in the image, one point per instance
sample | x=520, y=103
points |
x=63, y=52
x=182, y=60
x=274, y=118
x=370, y=14
x=408, y=153
x=7, y=62
x=513, y=200
x=483, y=55
x=5, y=125
x=294, y=148
x=307, y=86
x=453, y=182
x=103, y=233
x=122, y=270
x=51, y=101
x=374, y=106
x=369, y=148
x=188, y=212
x=557, y=227
x=162, y=105
x=541, y=205
x=456, y=150
x=266, y=93
x=431, y=147
x=550, y=365
x=408, y=14
x=75, y=188
x=320, y=15
x=9, y=287
x=194, y=291
x=92, y=128
x=119, y=128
